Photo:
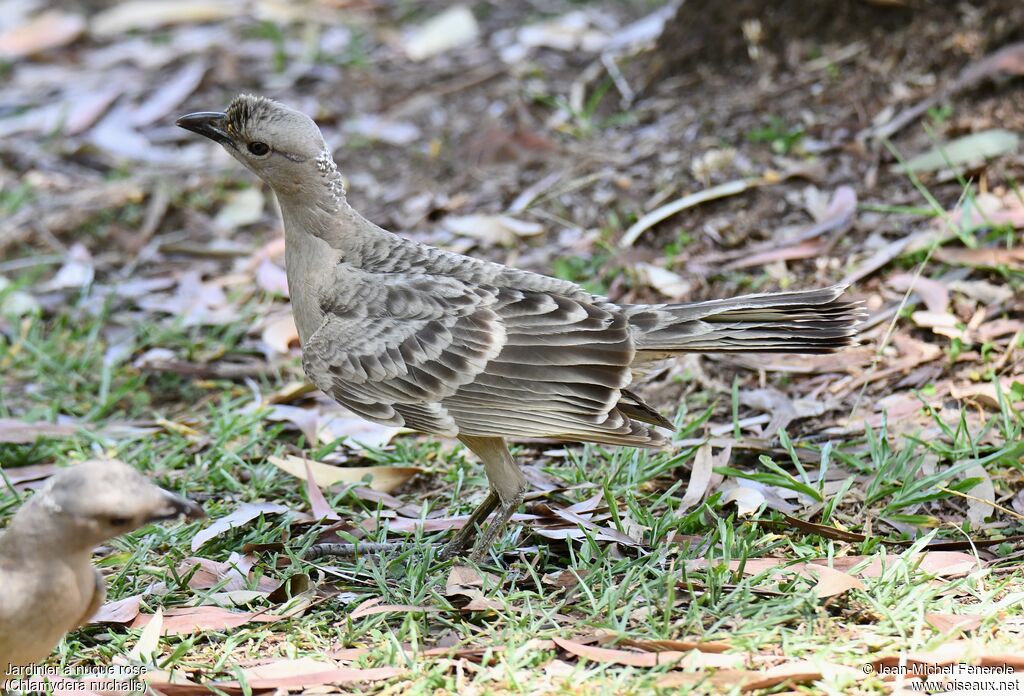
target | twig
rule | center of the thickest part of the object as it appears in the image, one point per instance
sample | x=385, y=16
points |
x=730, y=188
x=349, y=550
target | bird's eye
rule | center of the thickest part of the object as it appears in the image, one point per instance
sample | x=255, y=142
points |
x=257, y=148
x=118, y=521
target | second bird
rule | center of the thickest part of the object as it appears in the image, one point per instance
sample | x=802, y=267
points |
x=409, y=335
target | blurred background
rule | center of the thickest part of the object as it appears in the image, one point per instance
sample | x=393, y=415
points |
x=646, y=150
x=649, y=151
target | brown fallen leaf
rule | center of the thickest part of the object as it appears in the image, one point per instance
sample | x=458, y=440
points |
x=806, y=250
x=356, y=430
x=24, y=474
x=799, y=672
x=271, y=278
x=306, y=420
x=944, y=564
x=986, y=210
x=982, y=258
x=1008, y=60
x=949, y=623
x=382, y=478
x=169, y=95
x=668, y=283
x=152, y=14
x=305, y=673
x=279, y=333
x=186, y=620
x=701, y=471
x=373, y=606
x=677, y=645
x=934, y=293
x=830, y=582
x=493, y=230
x=120, y=611
x=206, y=573
x=21, y=432
x=318, y=504
x=649, y=659
x=46, y=30
x=245, y=513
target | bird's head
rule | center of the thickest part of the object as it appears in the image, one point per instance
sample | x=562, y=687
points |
x=92, y=502
x=280, y=145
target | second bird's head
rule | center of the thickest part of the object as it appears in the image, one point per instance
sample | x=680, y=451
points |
x=280, y=145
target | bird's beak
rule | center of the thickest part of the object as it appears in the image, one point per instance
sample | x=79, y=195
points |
x=174, y=505
x=209, y=124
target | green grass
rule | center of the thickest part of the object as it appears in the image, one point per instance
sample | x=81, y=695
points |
x=656, y=592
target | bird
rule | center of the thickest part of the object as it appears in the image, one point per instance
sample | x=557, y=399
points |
x=406, y=334
x=48, y=585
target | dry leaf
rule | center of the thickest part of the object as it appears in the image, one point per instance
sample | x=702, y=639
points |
x=982, y=258
x=666, y=282
x=25, y=474
x=970, y=150
x=76, y=273
x=121, y=611
x=376, y=127
x=373, y=606
x=149, y=641
x=279, y=334
x=358, y=431
x=306, y=673
x=169, y=96
x=241, y=208
x=305, y=419
x=44, y=31
x=700, y=477
x=186, y=620
x=950, y=623
x=20, y=432
x=495, y=230
x=934, y=293
x=568, y=32
x=674, y=658
x=454, y=27
x=382, y=478
x=832, y=582
x=318, y=504
x=977, y=510
x=151, y=14
x=245, y=513
x=206, y=573
x=986, y=210
x=272, y=278
x=748, y=500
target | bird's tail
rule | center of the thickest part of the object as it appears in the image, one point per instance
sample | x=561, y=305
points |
x=806, y=321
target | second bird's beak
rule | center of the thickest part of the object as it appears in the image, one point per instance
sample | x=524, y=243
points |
x=209, y=124
x=175, y=505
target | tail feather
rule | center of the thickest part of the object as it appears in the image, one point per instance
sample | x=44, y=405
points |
x=811, y=321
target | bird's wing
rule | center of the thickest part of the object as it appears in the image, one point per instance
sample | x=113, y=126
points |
x=402, y=343
x=447, y=356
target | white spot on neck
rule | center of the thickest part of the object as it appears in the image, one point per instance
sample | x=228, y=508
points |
x=332, y=178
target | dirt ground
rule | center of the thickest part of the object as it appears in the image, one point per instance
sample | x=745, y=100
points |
x=141, y=281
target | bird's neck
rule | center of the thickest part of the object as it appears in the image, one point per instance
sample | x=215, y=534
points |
x=331, y=190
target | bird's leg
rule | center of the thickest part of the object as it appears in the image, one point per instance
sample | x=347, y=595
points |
x=464, y=537
x=497, y=525
x=508, y=486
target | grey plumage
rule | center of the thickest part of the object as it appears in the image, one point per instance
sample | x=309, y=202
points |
x=47, y=583
x=406, y=334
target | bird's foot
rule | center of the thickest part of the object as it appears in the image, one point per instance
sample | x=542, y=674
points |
x=505, y=511
x=463, y=539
